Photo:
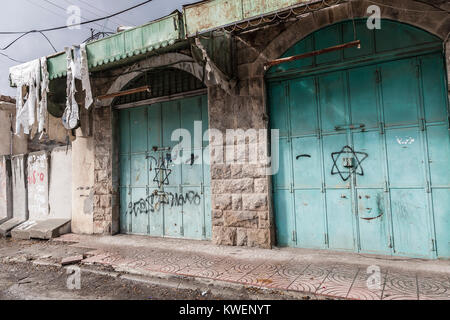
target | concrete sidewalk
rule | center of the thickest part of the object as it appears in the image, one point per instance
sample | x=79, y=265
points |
x=339, y=275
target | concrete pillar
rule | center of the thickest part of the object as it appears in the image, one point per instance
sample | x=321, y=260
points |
x=83, y=185
x=10, y=144
x=5, y=189
x=60, y=194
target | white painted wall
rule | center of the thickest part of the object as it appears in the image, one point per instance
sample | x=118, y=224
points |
x=5, y=189
x=37, y=175
x=60, y=192
x=19, y=189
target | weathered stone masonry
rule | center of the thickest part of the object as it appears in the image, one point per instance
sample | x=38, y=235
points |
x=241, y=194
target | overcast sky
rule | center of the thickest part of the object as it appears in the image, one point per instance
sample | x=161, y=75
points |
x=23, y=15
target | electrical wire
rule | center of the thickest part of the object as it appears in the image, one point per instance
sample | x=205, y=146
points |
x=12, y=59
x=78, y=24
x=48, y=40
x=104, y=11
x=65, y=10
x=90, y=11
x=41, y=31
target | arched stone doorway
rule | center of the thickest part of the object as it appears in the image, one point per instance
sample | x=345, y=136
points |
x=364, y=142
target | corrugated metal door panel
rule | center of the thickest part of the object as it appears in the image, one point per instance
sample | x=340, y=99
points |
x=437, y=134
x=303, y=120
x=410, y=222
x=327, y=38
x=125, y=172
x=338, y=196
x=192, y=169
x=434, y=88
x=400, y=92
x=441, y=204
x=369, y=170
x=373, y=221
x=371, y=201
x=193, y=219
x=332, y=102
x=310, y=219
x=182, y=208
x=173, y=214
x=125, y=209
x=306, y=163
x=284, y=219
x=282, y=180
x=139, y=170
x=363, y=97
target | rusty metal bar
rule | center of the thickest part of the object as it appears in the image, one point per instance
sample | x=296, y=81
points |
x=356, y=43
x=124, y=93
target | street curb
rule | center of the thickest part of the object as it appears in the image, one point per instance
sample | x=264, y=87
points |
x=223, y=288
x=229, y=290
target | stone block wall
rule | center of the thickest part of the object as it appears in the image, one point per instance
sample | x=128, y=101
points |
x=240, y=189
x=103, y=190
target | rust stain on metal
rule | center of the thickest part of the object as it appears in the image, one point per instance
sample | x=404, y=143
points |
x=275, y=62
x=124, y=93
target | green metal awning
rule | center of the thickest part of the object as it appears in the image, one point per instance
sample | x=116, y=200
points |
x=125, y=45
x=211, y=14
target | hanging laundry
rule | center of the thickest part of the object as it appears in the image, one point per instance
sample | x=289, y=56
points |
x=71, y=116
x=84, y=70
x=27, y=78
x=77, y=68
x=44, y=91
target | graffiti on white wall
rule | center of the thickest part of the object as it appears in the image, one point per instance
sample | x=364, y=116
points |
x=38, y=186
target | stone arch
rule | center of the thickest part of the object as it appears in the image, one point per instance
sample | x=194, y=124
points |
x=174, y=60
x=435, y=22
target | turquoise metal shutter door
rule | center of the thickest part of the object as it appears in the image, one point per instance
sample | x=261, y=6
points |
x=399, y=203
x=369, y=195
x=437, y=131
x=386, y=117
x=180, y=208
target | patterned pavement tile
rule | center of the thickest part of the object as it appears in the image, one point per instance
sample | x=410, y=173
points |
x=262, y=274
x=311, y=278
x=155, y=264
x=360, y=289
x=433, y=287
x=217, y=268
x=338, y=282
x=400, y=286
x=285, y=276
x=202, y=267
x=238, y=271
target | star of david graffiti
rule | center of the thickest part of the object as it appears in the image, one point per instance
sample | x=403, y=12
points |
x=355, y=167
x=162, y=175
x=162, y=172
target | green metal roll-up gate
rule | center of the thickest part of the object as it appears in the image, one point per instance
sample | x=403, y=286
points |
x=364, y=144
x=157, y=196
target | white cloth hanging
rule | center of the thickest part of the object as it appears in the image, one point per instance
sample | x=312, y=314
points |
x=71, y=113
x=27, y=75
x=44, y=90
x=84, y=73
